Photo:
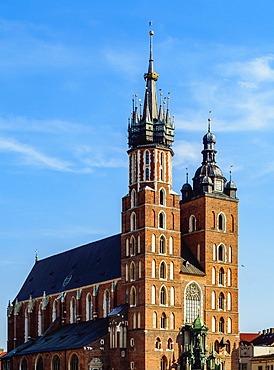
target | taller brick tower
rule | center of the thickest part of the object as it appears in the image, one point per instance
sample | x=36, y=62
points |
x=151, y=241
x=209, y=226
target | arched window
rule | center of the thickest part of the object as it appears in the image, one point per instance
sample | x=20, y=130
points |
x=228, y=277
x=162, y=197
x=74, y=363
x=172, y=296
x=126, y=271
x=158, y=343
x=213, y=300
x=213, y=220
x=232, y=224
x=40, y=330
x=140, y=269
x=88, y=307
x=106, y=303
x=163, y=321
x=192, y=223
x=154, y=320
x=138, y=244
x=24, y=364
x=132, y=296
x=171, y=245
x=230, y=254
x=133, y=198
x=162, y=166
x=229, y=325
x=198, y=252
x=127, y=248
x=162, y=270
x=221, y=301
x=134, y=321
x=164, y=363
x=221, y=222
x=139, y=296
x=132, y=221
x=221, y=252
x=72, y=310
x=228, y=301
x=213, y=324
x=214, y=250
x=213, y=275
x=147, y=157
x=153, y=268
x=153, y=218
x=162, y=248
x=163, y=295
x=162, y=220
x=153, y=243
x=132, y=246
x=56, y=363
x=170, y=344
x=132, y=271
x=54, y=310
x=221, y=280
x=172, y=321
x=222, y=325
x=138, y=320
x=26, y=325
x=216, y=346
x=171, y=272
x=193, y=302
x=39, y=363
x=153, y=294
x=228, y=347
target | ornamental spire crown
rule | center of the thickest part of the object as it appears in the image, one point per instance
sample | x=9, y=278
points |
x=150, y=124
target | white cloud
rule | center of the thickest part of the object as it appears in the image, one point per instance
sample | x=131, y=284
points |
x=186, y=153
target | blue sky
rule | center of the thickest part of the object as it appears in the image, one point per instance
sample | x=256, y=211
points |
x=68, y=70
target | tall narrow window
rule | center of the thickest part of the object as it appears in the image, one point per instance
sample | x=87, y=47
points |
x=171, y=245
x=193, y=302
x=88, y=307
x=138, y=320
x=163, y=296
x=74, y=363
x=163, y=321
x=132, y=246
x=39, y=363
x=140, y=269
x=132, y=296
x=161, y=220
x=133, y=169
x=192, y=223
x=24, y=364
x=172, y=296
x=229, y=277
x=132, y=221
x=164, y=363
x=214, y=250
x=153, y=243
x=222, y=325
x=153, y=269
x=172, y=321
x=162, y=245
x=158, y=343
x=147, y=157
x=229, y=301
x=56, y=363
x=162, y=270
x=162, y=197
x=106, y=303
x=127, y=248
x=232, y=224
x=221, y=301
x=138, y=244
x=213, y=324
x=54, y=310
x=162, y=166
x=153, y=294
x=133, y=198
x=213, y=300
x=132, y=271
x=171, y=272
x=221, y=222
x=213, y=275
x=198, y=252
x=126, y=267
x=221, y=276
x=230, y=254
x=134, y=321
x=147, y=174
x=213, y=220
x=72, y=310
x=221, y=252
x=154, y=320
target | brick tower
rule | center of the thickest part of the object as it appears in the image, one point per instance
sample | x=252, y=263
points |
x=209, y=226
x=151, y=242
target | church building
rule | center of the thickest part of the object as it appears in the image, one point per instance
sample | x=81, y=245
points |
x=162, y=294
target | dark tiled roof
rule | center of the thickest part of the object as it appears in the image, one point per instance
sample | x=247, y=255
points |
x=118, y=309
x=263, y=340
x=89, y=264
x=190, y=265
x=66, y=337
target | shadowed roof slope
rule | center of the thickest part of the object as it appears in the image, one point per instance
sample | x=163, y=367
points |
x=89, y=264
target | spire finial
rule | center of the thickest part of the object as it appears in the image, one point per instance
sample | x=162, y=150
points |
x=230, y=172
x=209, y=121
x=36, y=255
x=186, y=175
